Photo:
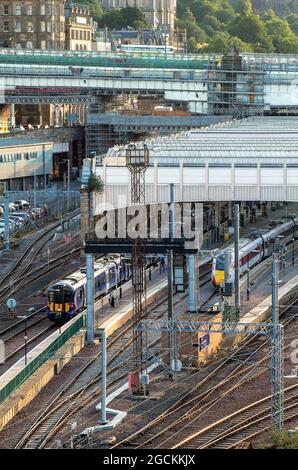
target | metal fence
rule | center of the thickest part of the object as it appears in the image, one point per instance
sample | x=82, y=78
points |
x=38, y=361
x=57, y=201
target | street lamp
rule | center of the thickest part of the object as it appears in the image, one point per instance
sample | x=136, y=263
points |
x=293, y=251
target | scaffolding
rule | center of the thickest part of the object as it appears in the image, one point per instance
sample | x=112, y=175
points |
x=236, y=86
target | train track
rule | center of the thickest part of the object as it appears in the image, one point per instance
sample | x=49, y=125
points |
x=26, y=259
x=164, y=430
x=52, y=419
x=241, y=425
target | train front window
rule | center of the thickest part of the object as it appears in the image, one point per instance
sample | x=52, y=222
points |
x=59, y=297
x=220, y=263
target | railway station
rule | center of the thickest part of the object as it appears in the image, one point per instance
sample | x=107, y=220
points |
x=153, y=304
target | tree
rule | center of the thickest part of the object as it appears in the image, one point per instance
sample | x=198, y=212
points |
x=251, y=29
x=219, y=42
x=293, y=22
x=95, y=9
x=283, y=38
x=281, y=440
x=243, y=7
x=118, y=19
x=95, y=184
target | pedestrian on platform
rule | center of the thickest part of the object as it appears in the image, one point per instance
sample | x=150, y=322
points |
x=162, y=264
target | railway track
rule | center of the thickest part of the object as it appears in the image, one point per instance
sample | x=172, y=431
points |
x=83, y=388
x=165, y=429
x=20, y=268
x=241, y=425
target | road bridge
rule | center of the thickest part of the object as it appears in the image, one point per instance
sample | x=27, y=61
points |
x=263, y=82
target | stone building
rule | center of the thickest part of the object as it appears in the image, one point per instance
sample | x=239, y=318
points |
x=32, y=24
x=79, y=27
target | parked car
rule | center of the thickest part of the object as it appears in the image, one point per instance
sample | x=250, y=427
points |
x=24, y=216
x=11, y=207
x=18, y=218
x=21, y=204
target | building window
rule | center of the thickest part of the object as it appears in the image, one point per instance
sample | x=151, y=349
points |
x=77, y=34
x=29, y=27
x=49, y=27
x=42, y=10
x=18, y=10
x=42, y=44
x=43, y=26
x=5, y=9
x=77, y=47
x=72, y=34
x=18, y=26
x=29, y=10
x=29, y=45
x=85, y=35
x=81, y=35
x=48, y=9
x=6, y=27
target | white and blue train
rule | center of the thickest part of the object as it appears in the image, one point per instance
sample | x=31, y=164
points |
x=68, y=297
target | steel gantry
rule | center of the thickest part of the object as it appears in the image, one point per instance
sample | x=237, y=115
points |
x=137, y=160
x=272, y=330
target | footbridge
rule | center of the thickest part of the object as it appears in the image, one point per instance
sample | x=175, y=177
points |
x=255, y=159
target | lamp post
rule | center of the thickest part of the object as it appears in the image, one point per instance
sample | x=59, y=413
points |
x=293, y=251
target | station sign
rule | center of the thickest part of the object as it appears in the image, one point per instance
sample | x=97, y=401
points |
x=204, y=341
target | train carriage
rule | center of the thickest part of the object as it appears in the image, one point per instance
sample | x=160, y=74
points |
x=252, y=251
x=68, y=297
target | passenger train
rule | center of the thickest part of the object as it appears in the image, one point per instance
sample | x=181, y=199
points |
x=68, y=296
x=254, y=249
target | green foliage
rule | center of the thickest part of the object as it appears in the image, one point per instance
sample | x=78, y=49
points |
x=118, y=19
x=281, y=440
x=95, y=184
x=216, y=25
x=95, y=8
x=249, y=25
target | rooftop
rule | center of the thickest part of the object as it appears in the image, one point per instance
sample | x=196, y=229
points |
x=264, y=140
x=16, y=141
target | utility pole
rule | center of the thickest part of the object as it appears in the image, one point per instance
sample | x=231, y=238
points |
x=170, y=283
x=68, y=183
x=236, y=261
x=277, y=360
x=103, y=418
x=90, y=297
x=34, y=188
x=6, y=221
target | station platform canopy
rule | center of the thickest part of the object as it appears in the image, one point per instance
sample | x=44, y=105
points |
x=250, y=141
